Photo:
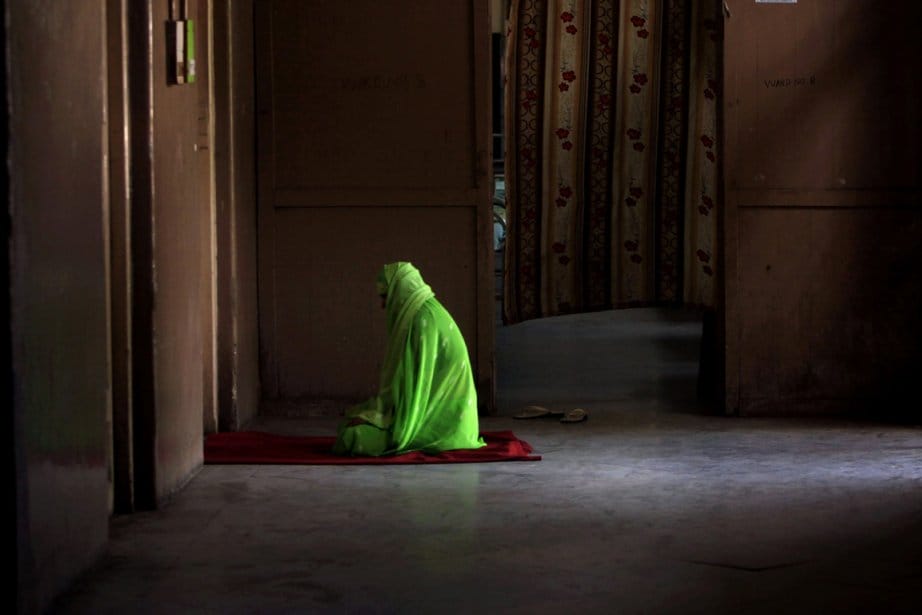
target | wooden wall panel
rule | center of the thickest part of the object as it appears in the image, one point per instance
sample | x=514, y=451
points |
x=374, y=138
x=831, y=316
x=823, y=206
x=826, y=96
x=383, y=107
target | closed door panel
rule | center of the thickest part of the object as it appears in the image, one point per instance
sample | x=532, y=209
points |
x=823, y=206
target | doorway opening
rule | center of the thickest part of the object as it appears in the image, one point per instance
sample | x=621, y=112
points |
x=650, y=356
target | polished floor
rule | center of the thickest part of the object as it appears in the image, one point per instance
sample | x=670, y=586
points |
x=652, y=505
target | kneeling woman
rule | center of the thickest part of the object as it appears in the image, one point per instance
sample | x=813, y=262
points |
x=426, y=399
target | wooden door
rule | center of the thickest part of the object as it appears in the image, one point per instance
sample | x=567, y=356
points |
x=824, y=205
x=373, y=146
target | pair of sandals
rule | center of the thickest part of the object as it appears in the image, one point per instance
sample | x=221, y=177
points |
x=576, y=415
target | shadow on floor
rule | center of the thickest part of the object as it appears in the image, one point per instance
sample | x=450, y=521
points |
x=638, y=355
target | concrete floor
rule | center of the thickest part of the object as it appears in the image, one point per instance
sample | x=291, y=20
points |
x=651, y=506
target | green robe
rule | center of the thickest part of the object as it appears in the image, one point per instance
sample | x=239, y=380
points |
x=426, y=398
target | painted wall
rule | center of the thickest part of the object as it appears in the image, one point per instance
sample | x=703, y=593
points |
x=58, y=290
x=824, y=207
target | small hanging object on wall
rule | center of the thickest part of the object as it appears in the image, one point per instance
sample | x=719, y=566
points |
x=180, y=43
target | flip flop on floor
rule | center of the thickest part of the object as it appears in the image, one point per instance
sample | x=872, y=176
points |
x=576, y=415
x=537, y=412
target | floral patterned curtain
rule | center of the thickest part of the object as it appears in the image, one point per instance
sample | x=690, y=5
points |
x=611, y=155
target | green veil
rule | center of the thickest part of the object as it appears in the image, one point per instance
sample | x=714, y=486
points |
x=426, y=396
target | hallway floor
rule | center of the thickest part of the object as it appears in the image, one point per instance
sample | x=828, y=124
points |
x=650, y=506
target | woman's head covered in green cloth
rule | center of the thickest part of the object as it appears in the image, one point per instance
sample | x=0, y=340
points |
x=402, y=288
x=398, y=280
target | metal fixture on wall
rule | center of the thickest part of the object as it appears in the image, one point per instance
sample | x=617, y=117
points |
x=180, y=33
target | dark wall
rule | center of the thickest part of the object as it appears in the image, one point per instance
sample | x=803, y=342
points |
x=366, y=158
x=10, y=549
x=235, y=192
x=58, y=290
x=247, y=385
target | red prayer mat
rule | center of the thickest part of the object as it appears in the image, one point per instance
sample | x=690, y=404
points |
x=258, y=447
